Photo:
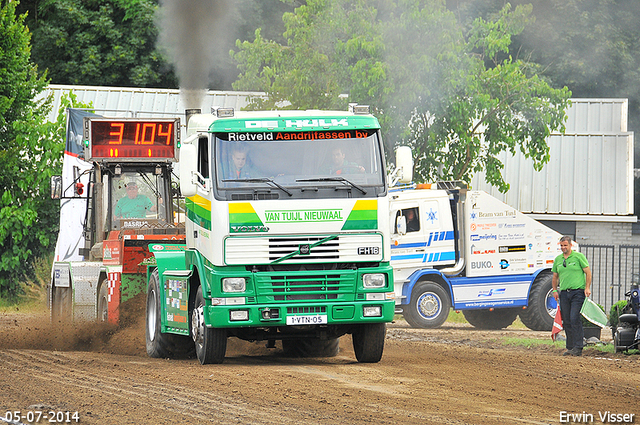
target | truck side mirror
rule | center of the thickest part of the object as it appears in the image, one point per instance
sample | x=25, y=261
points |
x=56, y=187
x=188, y=169
x=404, y=164
x=401, y=225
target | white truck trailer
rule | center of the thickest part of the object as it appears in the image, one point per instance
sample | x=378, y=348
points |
x=451, y=247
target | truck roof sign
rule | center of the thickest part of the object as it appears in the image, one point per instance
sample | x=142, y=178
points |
x=283, y=121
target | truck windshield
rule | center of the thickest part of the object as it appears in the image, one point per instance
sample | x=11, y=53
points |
x=137, y=200
x=308, y=167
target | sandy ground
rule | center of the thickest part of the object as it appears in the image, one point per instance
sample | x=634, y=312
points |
x=451, y=375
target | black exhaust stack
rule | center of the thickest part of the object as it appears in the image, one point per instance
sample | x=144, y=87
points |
x=188, y=113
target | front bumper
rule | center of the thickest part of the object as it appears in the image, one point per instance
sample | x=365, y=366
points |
x=276, y=314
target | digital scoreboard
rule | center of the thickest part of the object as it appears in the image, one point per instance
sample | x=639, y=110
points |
x=131, y=139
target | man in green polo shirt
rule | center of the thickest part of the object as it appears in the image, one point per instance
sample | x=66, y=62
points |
x=571, y=285
x=133, y=205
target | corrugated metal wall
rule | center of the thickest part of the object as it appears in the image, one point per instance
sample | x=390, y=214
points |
x=143, y=103
x=590, y=170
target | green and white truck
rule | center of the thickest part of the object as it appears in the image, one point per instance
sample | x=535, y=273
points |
x=287, y=237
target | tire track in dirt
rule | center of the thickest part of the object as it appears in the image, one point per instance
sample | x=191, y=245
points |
x=196, y=404
x=549, y=371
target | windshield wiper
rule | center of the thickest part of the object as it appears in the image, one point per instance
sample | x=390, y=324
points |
x=334, y=179
x=261, y=180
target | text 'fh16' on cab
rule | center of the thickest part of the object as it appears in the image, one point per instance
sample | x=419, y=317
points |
x=286, y=237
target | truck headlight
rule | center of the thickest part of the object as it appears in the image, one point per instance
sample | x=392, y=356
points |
x=234, y=284
x=372, y=311
x=238, y=315
x=374, y=280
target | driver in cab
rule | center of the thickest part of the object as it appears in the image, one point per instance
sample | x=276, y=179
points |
x=134, y=205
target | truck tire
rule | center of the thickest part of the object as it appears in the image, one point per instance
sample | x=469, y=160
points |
x=429, y=306
x=61, y=304
x=486, y=319
x=541, y=312
x=211, y=343
x=103, y=305
x=162, y=345
x=368, y=342
x=305, y=347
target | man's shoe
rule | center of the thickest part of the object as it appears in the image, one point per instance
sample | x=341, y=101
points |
x=576, y=352
x=568, y=353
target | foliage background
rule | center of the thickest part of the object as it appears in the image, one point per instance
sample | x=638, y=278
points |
x=454, y=94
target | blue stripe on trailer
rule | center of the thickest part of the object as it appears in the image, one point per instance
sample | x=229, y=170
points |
x=433, y=237
x=431, y=257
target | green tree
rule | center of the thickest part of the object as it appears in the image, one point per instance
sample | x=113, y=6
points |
x=115, y=42
x=502, y=105
x=20, y=180
x=455, y=96
x=98, y=42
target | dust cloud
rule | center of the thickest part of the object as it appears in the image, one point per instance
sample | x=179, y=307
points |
x=36, y=331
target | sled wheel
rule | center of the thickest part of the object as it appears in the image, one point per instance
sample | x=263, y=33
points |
x=103, y=305
x=61, y=304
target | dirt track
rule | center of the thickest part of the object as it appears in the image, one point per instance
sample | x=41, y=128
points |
x=452, y=375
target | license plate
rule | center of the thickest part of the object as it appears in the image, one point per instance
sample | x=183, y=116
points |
x=318, y=319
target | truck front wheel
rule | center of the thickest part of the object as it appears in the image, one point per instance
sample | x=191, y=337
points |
x=162, y=345
x=541, y=312
x=211, y=343
x=429, y=306
x=368, y=342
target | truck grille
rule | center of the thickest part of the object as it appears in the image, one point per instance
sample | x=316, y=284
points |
x=306, y=310
x=280, y=247
x=345, y=248
x=294, y=286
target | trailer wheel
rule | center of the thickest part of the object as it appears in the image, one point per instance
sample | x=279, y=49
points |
x=211, y=343
x=541, y=312
x=368, y=342
x=306, y=347
x=487, y=319
x=103, y=305
x=429, y=306
x=162, y=345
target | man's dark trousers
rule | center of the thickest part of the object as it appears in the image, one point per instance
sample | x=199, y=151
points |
x=571, y=301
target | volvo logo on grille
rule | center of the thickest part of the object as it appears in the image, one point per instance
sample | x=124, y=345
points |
x=368, y=250
x=305, y=249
